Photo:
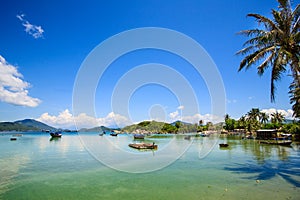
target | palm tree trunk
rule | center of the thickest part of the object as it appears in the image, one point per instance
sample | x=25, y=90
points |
x=295, y=87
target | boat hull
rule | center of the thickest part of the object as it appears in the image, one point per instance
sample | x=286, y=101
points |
x=223, y=145
x=285, y=143
x=55, y=134
x=143, y=146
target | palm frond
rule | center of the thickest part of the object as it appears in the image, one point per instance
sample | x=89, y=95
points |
x=262, y=19
x=254, y=57
x=261, y=68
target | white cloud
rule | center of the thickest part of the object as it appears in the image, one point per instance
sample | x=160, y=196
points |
x=206, y=118
x=34, y=30
x=66, y=120
x=174, y=116
x=288, y=114
x=180, y=107
x=231, y=101
x=13, y=89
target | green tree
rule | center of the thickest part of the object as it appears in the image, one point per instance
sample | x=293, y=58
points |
x=264, y=118
x=242, y=123
x=229, y=123
x=275, y=44
x=277, y=117
x=252, y=119
x=178, y=124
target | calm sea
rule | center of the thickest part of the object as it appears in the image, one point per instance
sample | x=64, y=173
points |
x=104, y=167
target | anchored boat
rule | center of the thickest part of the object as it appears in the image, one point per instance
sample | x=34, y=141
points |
x=56, y=134
x=143, y=146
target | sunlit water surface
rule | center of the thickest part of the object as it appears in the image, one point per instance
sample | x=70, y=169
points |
x=36, y=167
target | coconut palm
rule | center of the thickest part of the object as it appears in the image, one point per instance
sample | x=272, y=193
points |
x=277, y=117
x=276, y=45
x=252, y=119
x=254, y=114
x=242, y=122
x=264, y=118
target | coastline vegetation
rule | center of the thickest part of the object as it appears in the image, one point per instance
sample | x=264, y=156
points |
x=255, y=119
x=175, y=127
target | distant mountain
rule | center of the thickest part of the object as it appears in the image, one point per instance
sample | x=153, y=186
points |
x=34, y=123
x=184, y=123
x=289, y=121
x=11, y=126
x=24, y=125
x=96, y=129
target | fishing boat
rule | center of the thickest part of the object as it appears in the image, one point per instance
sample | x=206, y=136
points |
x=101, y=134
x=56, y=134
x=113, y=133
x=139, y=136
x=143, y=146
x=188, y=137
x=17, y=135
x=13, y=138
x=276, y=142
x=203, y=134
x=223, y=145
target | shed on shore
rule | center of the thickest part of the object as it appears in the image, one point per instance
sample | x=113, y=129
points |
x=264, y=134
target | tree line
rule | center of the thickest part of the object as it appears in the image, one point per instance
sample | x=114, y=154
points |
x=256, y=119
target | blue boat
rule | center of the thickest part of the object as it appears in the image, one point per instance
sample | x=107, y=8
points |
x=56, y=134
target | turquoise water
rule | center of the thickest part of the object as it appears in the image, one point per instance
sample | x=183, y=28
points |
x=34, y=167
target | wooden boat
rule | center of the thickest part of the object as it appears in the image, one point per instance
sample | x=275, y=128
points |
x=188, y=137
x=139, y=136
x=276, y=142
x=143, y=146
x=17, y=135
x=56, y=134
x=223, y=145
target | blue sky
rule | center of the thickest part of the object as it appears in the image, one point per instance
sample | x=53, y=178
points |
x=49, y=40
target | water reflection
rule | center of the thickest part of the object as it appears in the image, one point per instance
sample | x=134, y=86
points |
x=268, y=162
x=289, y=171
x=54, y=139
x=263, y=152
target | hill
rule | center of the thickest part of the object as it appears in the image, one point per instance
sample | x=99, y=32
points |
x=24, y=125
x=34, y=123
x=96, y=129
x=181, y=122
x=160, y=127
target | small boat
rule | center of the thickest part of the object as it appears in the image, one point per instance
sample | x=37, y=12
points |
x=113, y=133
x=203, y=135
x=188, y=137
x=276, y=142
x=56, y=134
x=101, y=134
x=17, y=135
x=139, y=136
x=13, y=138
x=143, y=146
x=223, y=145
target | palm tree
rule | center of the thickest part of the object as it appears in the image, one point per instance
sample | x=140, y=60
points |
x=242, y=122
x=276, y=45
x=264, y=117
x=254, y=114
x=252, y=119
x=277, y=117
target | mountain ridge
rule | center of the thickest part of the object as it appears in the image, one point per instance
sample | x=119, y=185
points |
x=24, y=125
